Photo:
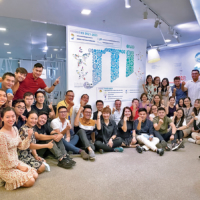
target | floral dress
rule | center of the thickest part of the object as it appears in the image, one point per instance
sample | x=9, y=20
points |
x=13, y=177
x=151, y=91
x=25, y=155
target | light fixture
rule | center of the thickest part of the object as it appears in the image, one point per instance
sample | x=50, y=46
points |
x=85, y=12
x=175, y=34
x=44, y=51
x=49, y=34
x=46, y=48
x=55, y=49
x=145, y=14
x=153, y=56
x=157, y=22
x=2, y=29
x=9, y=58
x=127, y=3
x=167, y=40
x=6, y=44
x=8, y=52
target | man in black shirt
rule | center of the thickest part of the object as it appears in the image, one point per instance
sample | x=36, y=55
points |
x=19, y=107
x=40, y=106
x=99, y=105
x=145, y=133
x=45, y=133
x=28, y=99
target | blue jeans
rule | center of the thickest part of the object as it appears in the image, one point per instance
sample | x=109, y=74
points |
x=70, y=146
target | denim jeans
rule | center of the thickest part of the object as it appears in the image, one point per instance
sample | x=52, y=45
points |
x=70, y=146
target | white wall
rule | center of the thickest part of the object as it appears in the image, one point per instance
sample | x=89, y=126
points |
x=175, y=62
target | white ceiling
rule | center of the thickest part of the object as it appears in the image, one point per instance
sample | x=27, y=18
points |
x=118, y=19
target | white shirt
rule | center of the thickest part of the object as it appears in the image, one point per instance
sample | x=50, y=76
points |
x=116, y=116
x=76, y=109
x=57, y=124
x=193, y=90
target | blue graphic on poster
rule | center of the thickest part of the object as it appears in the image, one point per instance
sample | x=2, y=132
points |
x=197, y=57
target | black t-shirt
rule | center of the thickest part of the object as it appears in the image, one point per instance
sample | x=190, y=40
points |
x=128, y=133
x=107, y=132
x=19, y=123
x=95, y=115
x=45, y=129
x=45, y=109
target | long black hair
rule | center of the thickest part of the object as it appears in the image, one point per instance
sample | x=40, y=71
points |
x=196, y=112
x=164, y=89
x=131, y=117
x=151, y=78
x=182, y=118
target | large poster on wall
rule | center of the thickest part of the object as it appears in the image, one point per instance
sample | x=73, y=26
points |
x=105, y=66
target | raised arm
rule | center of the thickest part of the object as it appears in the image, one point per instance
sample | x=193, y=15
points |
x=76, y=121
x=99, y=120
x=183, y=88
x=50, y=89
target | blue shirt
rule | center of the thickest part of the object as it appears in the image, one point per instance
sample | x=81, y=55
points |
x=8, y=90
x=179, y=93
x=146, y=127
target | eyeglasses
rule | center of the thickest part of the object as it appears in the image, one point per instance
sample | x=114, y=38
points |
x=21, y=108
x=88, y=112
x=70, y=96
x=40, y=97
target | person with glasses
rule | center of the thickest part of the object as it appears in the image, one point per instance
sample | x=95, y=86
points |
x=154, y=112
x=61, y=125
x=68, y=103
x=19, y=107
x=41, y=106
x=85, y=128
x=99, y=105
x=192, y=86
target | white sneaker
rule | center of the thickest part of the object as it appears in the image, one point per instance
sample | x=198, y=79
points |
x=191, y=140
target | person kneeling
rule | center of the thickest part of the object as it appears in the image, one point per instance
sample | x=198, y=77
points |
x=161, y=124
x=144, y=131
x=107, y=139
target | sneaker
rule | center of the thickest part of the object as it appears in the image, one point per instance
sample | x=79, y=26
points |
x=64, y=163
x=160, y=152
x=84, y=155
x=2, y=182
x=191, y=140
x=175, y=146
x=182, y=145
x=139, y=149
x=165, y=146
x=91, y=155
x=101, y=151
x=70, y=160
x=118, y=149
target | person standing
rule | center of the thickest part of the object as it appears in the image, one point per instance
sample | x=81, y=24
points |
x=116, y=111
x=192, y=86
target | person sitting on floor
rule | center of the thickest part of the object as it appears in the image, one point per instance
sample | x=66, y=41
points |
x=85, y=128
x=161, y=124
x=44, y=135
x=126, y=128
x=145, y=134
x=3, y=103
x=14, y=172
x=30, y=156
x=99, y=105
x=62, y=126
x=107, y=139
x=28, y=99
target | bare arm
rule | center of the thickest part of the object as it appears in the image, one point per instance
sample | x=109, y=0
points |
x=98, y=122
x=173, y=128
x=144, y=88
x=124, y=127
x=50, y=89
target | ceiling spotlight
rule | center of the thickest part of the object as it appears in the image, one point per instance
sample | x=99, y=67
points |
x=2, y=29
x=153, y=56
x=10, y=58
x=167, y=40
x=157, y=21
x=6, y=44
x=49, y=34
x=145, y=13
x=44, y=51
x=85, y=12
x=8, y=52
x=55, y=49
x=175, y=34
x=46, y=48
x=127, y=3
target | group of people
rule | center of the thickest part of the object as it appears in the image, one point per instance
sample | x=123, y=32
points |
x=31, y=129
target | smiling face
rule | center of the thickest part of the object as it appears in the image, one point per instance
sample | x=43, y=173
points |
x=62, y=113
x=161, y=114
x=69, y=97
x=154, y=109
x=9, y=118
x=179, y=114
x=172, y=101
x=197, y=104
x=8, y=82
x=29, y=100
x=42, y=120
x=87, y=112
x=187, y=102
x=143, y=115
x=157, y=99
x=144, y=98
x=40, y=98
x=118, y=105
x=164, y=83
x=19, y=76
x=149, y=79
x=20, y=108
x=157, y=81
x=127, y=113
x=37, y=72
x=3, y=98
x=136, y=102
x=181, y=102
x=106, y=115
x=99, y=106
x=85, y=98
x=195, y=75
x=32, y=120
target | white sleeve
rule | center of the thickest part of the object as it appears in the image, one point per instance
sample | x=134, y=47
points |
x=184, y=123
x=186, y=85
x=76, y=109
x=54, y=124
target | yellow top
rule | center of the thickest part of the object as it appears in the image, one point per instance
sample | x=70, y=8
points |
x=64, y=103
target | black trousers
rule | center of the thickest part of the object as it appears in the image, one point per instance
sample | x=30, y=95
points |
x=117, y=142
x=179, y=134
x=165, y=136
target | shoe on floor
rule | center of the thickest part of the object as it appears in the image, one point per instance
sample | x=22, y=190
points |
x=165, y=146
x=64, y=163
x=84, y=155
x=91, y=155
x=160, y=151
x=2, y=183
x=70, y=160
x=191, y=140
x=118, y=149
x=175, y=146
x=139, y=149
x=101, y=151
x=182, y=145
